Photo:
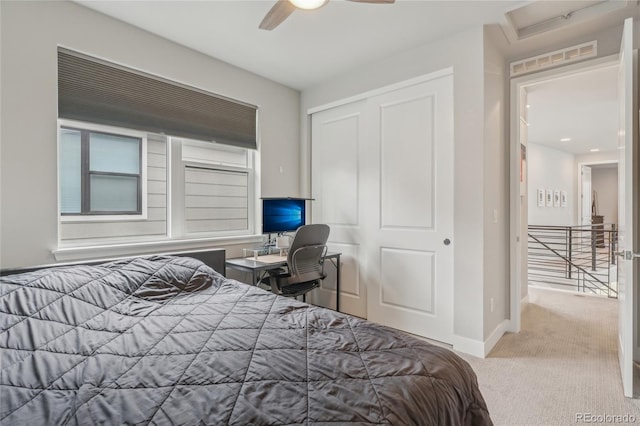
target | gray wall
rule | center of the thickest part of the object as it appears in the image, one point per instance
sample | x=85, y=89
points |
x=30, y=35
x=496, y=188
x=608, y=42
x=464, y=52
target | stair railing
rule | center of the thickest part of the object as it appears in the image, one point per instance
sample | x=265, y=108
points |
x=580, y=257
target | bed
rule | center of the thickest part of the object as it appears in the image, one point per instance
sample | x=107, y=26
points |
x=167, y=340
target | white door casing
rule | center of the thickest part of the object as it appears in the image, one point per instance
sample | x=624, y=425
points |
x=402, y=210
x=586, y=195
x=523, y=144
x=628, y=206
x=518, y=209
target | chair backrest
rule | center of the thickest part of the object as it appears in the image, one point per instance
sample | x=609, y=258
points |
x=308, y=247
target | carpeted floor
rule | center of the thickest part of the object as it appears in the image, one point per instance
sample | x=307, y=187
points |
x=563, y=364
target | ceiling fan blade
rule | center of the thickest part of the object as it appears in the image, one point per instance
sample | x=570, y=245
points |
x=278, y=13
x=374, y=1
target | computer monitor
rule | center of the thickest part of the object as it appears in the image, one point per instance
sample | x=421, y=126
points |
x=282, y=215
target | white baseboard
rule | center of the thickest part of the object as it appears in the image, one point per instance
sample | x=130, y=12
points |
x=468, y=346
x=496, y=335
x=478, y=348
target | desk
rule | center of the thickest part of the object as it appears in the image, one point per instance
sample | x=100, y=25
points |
x=250, y=264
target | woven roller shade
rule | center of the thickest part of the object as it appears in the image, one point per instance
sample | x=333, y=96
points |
x=94, y=91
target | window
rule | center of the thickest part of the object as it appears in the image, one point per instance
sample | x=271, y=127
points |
x=217, y=189
x=118, y=185
x=101, y=173
x=122, y=186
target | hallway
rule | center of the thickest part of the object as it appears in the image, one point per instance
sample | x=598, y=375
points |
x=561, y=365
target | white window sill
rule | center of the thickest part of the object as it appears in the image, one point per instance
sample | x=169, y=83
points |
x=104, y=218
x=70, y=254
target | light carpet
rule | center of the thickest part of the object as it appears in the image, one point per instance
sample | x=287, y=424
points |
x=561, y=369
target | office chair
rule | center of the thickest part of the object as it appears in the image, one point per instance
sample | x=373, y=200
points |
x=305, y=262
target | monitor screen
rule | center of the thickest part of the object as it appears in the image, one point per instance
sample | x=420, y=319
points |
x=282, y=215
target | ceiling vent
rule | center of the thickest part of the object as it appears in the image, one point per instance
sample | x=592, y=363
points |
x=554, y=59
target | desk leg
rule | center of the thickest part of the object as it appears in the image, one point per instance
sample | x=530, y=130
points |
x=254, y=277
x=338, y=284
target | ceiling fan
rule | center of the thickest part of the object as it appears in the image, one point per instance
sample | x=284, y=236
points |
x=283, y=8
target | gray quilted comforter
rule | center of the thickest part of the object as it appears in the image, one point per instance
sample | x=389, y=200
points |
x=166, y=340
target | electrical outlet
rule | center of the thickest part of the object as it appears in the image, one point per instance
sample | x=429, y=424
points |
x=491, y=300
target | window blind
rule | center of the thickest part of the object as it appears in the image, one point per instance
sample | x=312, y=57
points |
x=96, y=91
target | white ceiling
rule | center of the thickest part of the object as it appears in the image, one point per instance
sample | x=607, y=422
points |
x=310, y=46
x=582, y=107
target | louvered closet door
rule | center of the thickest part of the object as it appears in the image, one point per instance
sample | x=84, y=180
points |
x=383, y=180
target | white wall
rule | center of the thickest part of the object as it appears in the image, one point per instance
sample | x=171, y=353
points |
x=604, y=181
x=464, y=52
x=30, y=35
x=551, y=169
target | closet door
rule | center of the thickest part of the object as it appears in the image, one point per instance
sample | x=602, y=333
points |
x=382, y=178
x=409, y=227
x=337, y=143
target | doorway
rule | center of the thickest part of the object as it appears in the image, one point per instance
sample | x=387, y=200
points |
x=571, y=181
x=529, y=108
x=627, y=253
x=598, y=191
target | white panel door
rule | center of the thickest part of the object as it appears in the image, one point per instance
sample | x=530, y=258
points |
x=628, y=207
x=586, y=195
x=337, y=139
x=408, y=170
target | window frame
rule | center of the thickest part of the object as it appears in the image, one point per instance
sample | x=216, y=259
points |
x=175, y=211
x=178, y=167
x=88, y=216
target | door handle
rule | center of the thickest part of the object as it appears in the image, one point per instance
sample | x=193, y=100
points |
x=628, y=255
x=447, y=241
